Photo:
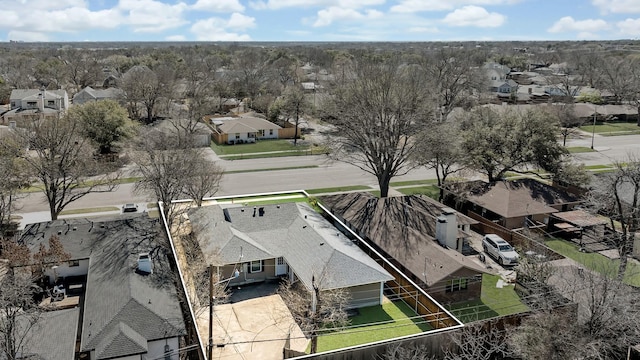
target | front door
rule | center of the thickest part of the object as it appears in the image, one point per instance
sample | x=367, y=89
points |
x=281, y=266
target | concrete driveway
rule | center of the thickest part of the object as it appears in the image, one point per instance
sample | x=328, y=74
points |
x=251, y=329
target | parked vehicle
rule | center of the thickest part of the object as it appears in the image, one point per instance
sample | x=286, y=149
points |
x=499, y=249
x=129, y=208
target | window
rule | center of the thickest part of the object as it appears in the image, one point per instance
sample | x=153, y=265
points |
x=280, y=261
x=237, y=136
x=270, y=131
x=255, y=267
x=261, y=132
x=50, y=103
x=31, y=103
x=456, y=285
x=73, y=263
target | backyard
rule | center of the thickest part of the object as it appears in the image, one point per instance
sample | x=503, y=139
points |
x=595, y=261
x=375, y=323
x=494, y=302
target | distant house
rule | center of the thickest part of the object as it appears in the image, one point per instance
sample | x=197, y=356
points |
x=420, y=236
x=239, y=130
x=504, y=86
x=89, y=94
x=131, y=308
x=512, y=204
x=32, y=104
x=287, y=240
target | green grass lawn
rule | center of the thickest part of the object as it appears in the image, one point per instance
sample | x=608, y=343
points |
x=337, y=189
x=375, y=193
x=414, y=182
x=579, y=149
x=89, y=210
x=617, y=127
x=493, y=302
x=257, y=147
x=431, y=191
x=596, y=262
x=394, y=319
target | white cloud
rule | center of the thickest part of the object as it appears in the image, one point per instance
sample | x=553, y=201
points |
x=27, y=36
x=410, y=6
x=218, y=5
x=241, y=22
x=629, y=27
x=422, y=29
x=333, y=14
x=152, y=15
x=176, y=38
x=72, y=19
x=279, y=4
x=617, y=6
x=216, y=29
x=472, y=15
x=568, y=24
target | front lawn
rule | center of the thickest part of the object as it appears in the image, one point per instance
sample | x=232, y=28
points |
x=390, y=320
x=259, y=146
x=579, y=149
x=622, y=128
x=493, y=302
x=431, y=191
x=338, y=189
x=595, y=261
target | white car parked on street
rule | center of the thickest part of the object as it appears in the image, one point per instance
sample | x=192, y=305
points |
x=499, y=249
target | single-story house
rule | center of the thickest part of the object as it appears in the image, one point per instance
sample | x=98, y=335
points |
x=504, y=86
x=90, y=94
x=131, y=308
x=512, y=204
x=422, y=237
x=32, y=104
x=287, y=240
x=240, y=130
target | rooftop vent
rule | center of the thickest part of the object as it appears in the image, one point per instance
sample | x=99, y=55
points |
x=261, y=211
x=145, y=265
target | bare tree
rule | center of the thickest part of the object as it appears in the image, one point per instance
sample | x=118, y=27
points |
x=315, y=309
x=453, y=77
x=18, y=313
x=617, y=195
x=479, y=340
x=171, y=168
x=545, y=335
x=62, y=160
x=438, y=148
x=15, y=178
x=294, y=104
x=375, y=116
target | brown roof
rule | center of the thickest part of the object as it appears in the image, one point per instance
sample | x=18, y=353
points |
x=403, y=227
x=513, y=198
x=580, y=218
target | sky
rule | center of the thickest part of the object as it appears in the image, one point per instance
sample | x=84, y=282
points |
x=318, y=20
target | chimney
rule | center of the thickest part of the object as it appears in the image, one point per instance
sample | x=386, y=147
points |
x=447, y=229
x=145, y=265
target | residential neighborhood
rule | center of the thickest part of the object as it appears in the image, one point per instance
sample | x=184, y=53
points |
x=320, y=201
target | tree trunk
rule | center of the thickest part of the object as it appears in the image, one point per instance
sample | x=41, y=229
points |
x=383, y=182
x=295, y=135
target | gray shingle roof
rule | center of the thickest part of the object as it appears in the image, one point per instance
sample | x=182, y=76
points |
x=23, y=94
x=310, y=245
x=115, y=293
x=120, y=341
x=53, y=337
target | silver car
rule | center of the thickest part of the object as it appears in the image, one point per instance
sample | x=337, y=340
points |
x=498, y=248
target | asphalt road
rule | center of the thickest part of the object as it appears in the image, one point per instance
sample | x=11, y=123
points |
x=324, y=174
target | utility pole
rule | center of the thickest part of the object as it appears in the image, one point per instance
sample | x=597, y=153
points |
x=210, y=354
